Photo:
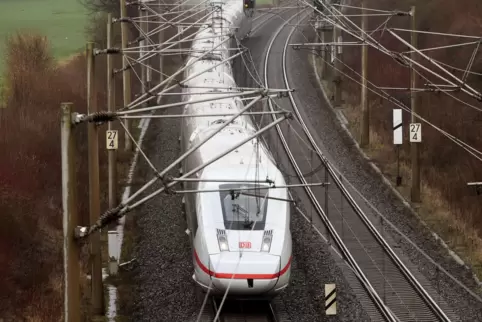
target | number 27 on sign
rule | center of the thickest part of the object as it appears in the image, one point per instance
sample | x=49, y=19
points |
x=112, y=140
x=415, y=132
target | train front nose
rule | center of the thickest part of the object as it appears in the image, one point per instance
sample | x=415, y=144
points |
x=251, y=273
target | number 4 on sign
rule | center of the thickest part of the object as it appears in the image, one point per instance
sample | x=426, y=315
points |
x=112, y=140
x=415, y=132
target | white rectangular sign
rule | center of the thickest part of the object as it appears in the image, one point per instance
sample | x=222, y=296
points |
x=112, y=140
x=340, y=47
x=415, y=132
x=397, y=126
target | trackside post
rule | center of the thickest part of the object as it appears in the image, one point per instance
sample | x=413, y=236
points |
x=414, y=146
x=71, y=248
x=112, y=153
x=126, y=74
x=365, y=119
x=97, y=289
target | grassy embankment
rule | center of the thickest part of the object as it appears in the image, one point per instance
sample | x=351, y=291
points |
x=448, y=206
x=30, y=178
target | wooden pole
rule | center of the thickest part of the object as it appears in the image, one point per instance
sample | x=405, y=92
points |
x=126, y=75
x=94, y=189
x=324, y=54
x=161, y=57
x=112, y=154
x=70, y=219
x=142, y=52
x=150, y=60
x=365, y=119
x=414, y=146
x=337, y=78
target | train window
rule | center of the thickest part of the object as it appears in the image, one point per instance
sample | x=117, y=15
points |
x=244, y=207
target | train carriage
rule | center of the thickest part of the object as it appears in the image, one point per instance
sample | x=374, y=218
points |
x=239, y=227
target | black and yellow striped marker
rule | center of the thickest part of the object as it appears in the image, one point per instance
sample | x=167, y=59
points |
x=330, y=299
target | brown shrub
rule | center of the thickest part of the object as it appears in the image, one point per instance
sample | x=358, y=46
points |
x=30, y=205
x=30, y=177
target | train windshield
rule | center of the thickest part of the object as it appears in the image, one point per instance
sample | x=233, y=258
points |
x=244, y=206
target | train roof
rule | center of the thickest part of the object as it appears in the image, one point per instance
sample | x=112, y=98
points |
x=205, y=70
x=228, y=137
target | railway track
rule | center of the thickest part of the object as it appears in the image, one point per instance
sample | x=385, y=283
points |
x=265, y=16
x=245, y=311
x=395, y=291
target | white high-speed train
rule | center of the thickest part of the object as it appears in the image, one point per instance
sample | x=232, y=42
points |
x=240, y=231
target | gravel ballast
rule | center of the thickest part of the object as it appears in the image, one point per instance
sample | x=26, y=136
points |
x=164, y=262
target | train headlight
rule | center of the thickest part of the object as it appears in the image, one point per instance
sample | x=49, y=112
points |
x=266, y=245
x=223, y=243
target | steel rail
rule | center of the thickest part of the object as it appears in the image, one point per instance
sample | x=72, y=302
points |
x=384, y=310
x=396, y=260
x=270, y=16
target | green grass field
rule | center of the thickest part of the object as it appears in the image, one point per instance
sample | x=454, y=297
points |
x=62, y=21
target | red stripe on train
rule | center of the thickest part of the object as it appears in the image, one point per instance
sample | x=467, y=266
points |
x=241, y=276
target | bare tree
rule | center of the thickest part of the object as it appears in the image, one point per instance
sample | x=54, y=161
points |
x=101, y=5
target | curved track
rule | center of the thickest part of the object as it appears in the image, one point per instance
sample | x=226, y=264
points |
x=395, y=291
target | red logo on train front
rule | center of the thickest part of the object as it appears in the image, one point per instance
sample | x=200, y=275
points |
x=244, y=244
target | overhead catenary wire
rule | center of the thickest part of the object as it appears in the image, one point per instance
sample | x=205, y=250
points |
x=142, y=99
x=121, y=208
x=438, y=33
x=466, y=88
x=164, y=92
x=446, y=92
x=147, y=56
x=397, y=56
x=467, y=147
x=442, y=47
x=399, y=104
x=93, y=117
x=355, y=7
x=387, y=96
